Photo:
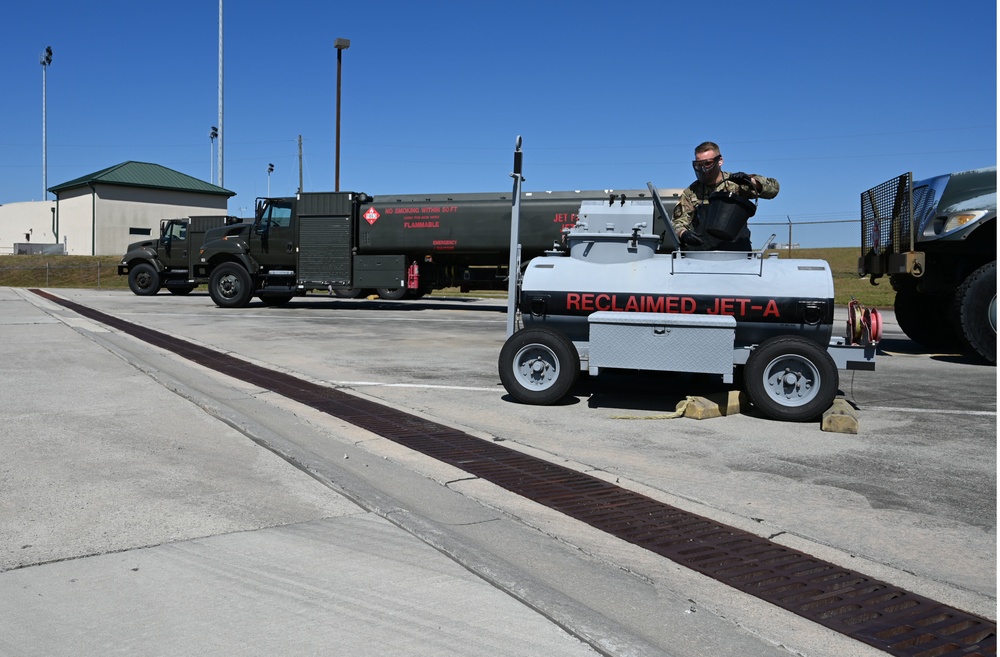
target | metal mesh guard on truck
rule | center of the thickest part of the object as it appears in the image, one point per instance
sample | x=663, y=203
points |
x=885, y=217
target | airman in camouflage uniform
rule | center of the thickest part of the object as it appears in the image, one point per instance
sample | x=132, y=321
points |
x=691, y=211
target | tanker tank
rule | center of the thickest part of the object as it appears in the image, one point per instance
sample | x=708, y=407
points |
x=615, y=295
x=474, y=228
x=610, y=264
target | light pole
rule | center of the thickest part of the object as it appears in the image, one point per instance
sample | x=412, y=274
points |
x=211, y=153
x=341, y=45
x=45, y=60
x=222, y=158
x=270, y=168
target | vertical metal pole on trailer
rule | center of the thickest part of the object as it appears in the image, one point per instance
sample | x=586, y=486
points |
x=514, y=267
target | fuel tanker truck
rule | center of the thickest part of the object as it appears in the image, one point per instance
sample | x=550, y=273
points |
x=608, y=299
x=350, y=244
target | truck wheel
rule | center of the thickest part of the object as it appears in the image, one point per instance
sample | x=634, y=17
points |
x=926, y=319
x=144, y=280
x=349, y=293
x=273, y=300
x=791, y=379
x=230, y=286
x=976, y=312
x=391, y=293
x=538, y=366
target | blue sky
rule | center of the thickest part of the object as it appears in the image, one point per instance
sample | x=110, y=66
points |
x=829, y=98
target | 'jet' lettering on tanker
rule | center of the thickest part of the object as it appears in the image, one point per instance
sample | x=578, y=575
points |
x=744, y=308
x=566, y=218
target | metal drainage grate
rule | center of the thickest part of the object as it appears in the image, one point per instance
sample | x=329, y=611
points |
x=874, y=612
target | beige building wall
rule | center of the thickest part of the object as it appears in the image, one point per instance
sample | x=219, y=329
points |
x=73, y=218
x=105, y=219
x=31, y=218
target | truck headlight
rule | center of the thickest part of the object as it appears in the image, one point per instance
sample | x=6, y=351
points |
x=954, y=221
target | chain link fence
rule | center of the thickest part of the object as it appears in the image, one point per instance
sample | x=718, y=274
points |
x=61, y=271
x=807, y=232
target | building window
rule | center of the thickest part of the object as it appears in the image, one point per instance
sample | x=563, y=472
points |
x=140, y=231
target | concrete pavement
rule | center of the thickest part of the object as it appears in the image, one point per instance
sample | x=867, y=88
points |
x=618, y=598
x=131, y=522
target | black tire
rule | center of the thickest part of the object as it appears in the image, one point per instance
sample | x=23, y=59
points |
x=180, y=290
x=230, y=286
x=273, y=300
x=976, y=312
x=791, y=379
x=392, y=293
x=144, y=280
x=926, y=320
x=349, y=293
x=538, y=366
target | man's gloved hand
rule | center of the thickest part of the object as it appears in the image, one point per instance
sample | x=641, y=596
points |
x=741, y=178
x=691, y=238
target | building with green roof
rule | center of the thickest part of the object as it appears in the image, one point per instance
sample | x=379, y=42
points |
x=103, y=212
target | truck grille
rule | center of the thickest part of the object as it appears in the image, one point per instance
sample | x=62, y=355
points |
x=886, y=217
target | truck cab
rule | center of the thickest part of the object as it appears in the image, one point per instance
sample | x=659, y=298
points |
x=168, y=261
x=294, y=245
x=273, y=233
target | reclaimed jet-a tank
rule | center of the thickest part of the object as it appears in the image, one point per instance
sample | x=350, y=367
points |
x=615, y=296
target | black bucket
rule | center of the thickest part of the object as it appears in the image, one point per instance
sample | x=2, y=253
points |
x=728, y=214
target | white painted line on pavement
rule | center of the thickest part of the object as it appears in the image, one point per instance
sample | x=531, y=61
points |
x=925, y=410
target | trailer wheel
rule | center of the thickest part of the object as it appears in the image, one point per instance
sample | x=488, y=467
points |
x=976, y=312
x=538, y=366
x=791, y=379
x=144, y=280
x=230, y=286
x=391, y=293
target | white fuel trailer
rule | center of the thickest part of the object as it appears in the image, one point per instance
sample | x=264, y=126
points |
x=611, y=296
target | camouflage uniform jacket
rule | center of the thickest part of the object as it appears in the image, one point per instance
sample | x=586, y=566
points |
x=697, y=193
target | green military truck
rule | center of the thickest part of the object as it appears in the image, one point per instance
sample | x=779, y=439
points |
x=168, y=260
x=398, y=246
x=936, y=240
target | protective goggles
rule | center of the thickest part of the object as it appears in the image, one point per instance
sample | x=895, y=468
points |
x=706, y=165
